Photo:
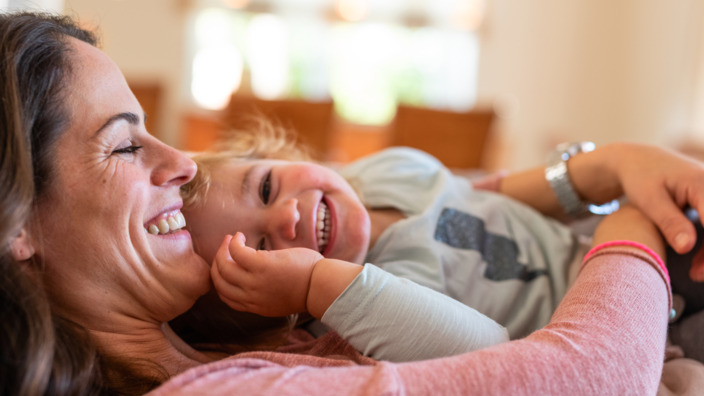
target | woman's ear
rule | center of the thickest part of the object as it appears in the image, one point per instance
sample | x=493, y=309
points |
x=22, y=247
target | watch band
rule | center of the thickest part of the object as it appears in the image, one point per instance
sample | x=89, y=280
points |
x=556, y=174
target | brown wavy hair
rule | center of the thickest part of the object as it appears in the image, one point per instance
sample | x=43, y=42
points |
x=42, y=353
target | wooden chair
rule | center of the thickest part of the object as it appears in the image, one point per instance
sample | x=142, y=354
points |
x=150, y=95
x=311, y=121
x=457, y=139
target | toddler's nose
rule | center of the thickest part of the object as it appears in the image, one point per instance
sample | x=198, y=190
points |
x=286, y=219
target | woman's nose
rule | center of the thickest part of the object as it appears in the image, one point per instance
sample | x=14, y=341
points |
x=284, y=219
x=173, y=168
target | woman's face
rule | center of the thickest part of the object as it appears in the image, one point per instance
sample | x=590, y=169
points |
x=112, y=182
x=278, y=205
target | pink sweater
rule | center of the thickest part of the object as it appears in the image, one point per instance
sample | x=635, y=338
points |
x=607, y=337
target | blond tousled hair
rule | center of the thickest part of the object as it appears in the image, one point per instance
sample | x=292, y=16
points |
x=264, y=139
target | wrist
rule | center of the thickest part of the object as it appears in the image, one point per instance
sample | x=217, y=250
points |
x=328, y=279
x=576, y=168
x=605, y=173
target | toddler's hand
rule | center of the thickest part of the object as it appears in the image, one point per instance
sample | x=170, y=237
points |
x=267, y=283
x=491, y=182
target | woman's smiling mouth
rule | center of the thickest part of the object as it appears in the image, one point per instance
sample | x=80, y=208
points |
x=166, y=223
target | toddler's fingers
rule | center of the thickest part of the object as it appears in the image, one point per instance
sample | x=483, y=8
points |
x=224, y=265
x=244, y=255
x=229, y=292
x=223, y=253
x=237, y=241
x=490, y=182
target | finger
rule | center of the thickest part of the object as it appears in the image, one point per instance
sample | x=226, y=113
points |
x=234, y=303
x=237, y=241
x=225, y=265
x=244, y=255
x=670, y=220
x=491, y=182
x=225, y=289
x=679, y=232
x=223, y=253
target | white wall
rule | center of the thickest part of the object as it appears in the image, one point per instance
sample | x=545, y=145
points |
x=45, y=5
x=146, y=40
x=591, y=69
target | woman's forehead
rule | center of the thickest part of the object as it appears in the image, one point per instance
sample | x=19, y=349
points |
x=97, y=89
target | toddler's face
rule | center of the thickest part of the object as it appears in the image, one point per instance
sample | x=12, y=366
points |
x=281, y=204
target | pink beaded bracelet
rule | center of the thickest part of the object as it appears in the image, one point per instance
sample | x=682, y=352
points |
x=637, y=245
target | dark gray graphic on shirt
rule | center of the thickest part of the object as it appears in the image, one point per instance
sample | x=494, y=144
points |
x=464, y=231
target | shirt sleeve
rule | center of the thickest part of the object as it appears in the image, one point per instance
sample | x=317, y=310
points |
x=394, y=319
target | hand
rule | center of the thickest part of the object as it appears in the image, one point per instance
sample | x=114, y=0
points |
x=267, y=283
x=491, y=182
x=661, y=183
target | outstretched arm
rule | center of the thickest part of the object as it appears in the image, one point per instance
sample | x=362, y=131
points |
x=659, y=182
x=606, y=337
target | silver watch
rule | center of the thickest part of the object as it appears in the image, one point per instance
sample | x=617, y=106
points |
x=556, y=174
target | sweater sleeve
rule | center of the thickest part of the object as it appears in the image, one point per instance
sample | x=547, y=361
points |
x=391, y=318
x=606, y=337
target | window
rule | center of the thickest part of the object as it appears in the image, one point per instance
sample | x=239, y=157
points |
x=368, y=55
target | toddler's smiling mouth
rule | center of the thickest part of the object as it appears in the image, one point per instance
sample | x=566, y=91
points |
x=322, y=226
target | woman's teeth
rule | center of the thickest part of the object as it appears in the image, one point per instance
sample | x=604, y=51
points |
x=168, y=224
x=322, y=226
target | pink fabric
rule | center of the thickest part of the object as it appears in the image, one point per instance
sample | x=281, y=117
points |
x=640, y=246
x=607, y=337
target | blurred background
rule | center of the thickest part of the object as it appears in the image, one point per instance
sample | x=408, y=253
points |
x=500, y=80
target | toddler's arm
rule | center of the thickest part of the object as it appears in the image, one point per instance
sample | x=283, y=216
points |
x=391, y=318
x=383, y=316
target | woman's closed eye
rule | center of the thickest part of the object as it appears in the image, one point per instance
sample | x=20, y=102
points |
x=130, y=149
x=265, y=188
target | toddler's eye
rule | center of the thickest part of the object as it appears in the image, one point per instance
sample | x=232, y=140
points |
x=265, y=188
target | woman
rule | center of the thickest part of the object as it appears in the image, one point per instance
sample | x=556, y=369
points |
x=100, y=183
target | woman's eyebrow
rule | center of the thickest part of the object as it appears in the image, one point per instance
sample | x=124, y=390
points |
x=131, y=118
